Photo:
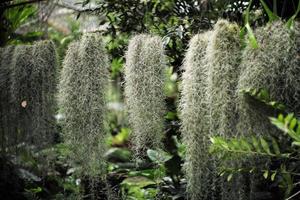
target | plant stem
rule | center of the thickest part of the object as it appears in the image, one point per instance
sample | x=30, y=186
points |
x=293, y=195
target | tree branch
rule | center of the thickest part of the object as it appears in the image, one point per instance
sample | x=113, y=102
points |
x=77, y=9
x=5, y=6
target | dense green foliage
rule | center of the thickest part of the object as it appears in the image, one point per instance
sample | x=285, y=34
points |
x=282, y=172
x=110, y=148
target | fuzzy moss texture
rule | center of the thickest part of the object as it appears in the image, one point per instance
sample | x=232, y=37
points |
x=5, y=100
x=193, y=113
x=208, y=107
x=28, y=82
x=223, y=60
x=275, y=67
x=82, y=91
x=144, y=92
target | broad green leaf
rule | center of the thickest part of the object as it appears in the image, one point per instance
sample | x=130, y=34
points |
x=158, y=156
x=138, y=181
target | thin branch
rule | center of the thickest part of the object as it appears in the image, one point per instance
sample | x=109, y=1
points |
x=293, y=195
x=20, y=4
x=77, y=9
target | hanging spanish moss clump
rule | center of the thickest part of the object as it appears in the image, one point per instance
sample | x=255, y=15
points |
x=223, y=59
x=6, y=122
x=30, y=102
x=21, y=99
x=44, y=72
x=144, y=92
x=223, y=56
x=195, y=127
x=273, y=66
x=83, y=83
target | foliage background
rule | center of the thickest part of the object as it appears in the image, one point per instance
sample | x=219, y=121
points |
x=176, y=21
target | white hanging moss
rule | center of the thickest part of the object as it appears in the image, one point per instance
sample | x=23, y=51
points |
x=195, y=127
x=44, y=76
x=22, y=101
x=83, y=83
x=223, y=59
x=32, y=71
x=273, y=66
x=144, y=92
x=6, y=127
x=26, y=73
x=223, y=56
x=208, y=106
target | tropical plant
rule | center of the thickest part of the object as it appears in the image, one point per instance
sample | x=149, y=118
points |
x=282, y=172
x=144, y=92
x=193, y=116
x=28, y=82
x=83, y=83
x=209, y=93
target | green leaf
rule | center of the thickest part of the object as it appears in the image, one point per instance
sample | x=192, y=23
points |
x=290, y=22
x=229, y=177
x=296, y=144
x=138, y=181
x=264, y=95
x=273, y=176
x=251, y=37
x=170, y=115
x=256, y=145
x=158, y=156
x=275, y=146
x=265, y=145
x=222, y=173
x=271, y=15
x=293, y=123
x=298, y=129
x=288, y=118
x=266, y=174
x=245, y=145
x=281, y=118
x=35, y=190
x=118, y=155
